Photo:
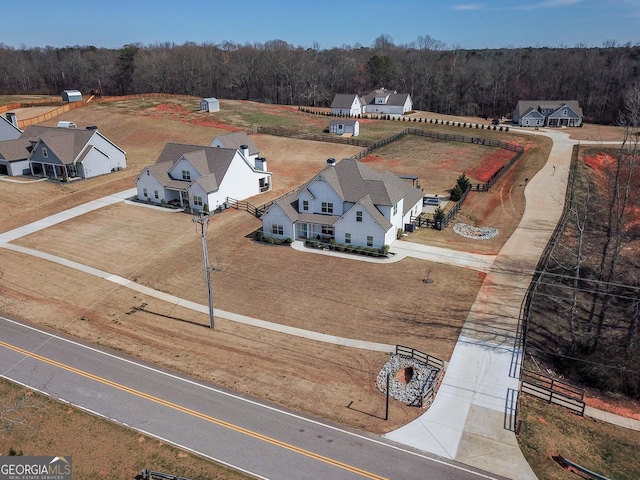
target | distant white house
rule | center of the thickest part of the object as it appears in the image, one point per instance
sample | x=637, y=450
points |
x=379, y=101
x=537, y=113
x=194, y=176
x=9, y=127
x=346, y=104
x=71, y=96
x=61, y=154
x=387, y=102
x=209, y=105
x=345, y=126
x=347, y=202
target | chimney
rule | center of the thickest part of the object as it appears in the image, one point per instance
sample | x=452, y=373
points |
x=331, y=162
x=245, y=151
x=13, y=119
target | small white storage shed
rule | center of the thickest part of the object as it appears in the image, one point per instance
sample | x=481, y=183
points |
x=345, y=126
x=209, y=105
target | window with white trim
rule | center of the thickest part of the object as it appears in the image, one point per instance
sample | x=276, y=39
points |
x=155, y=194
x=327, y=230
x=144, y=192
x=197, y=200
x=45, y=153
x=327, y=207
x=369, y=241
x=186, y=175
x=395, y=209
x=358, y=216
x=277, y=229
x=305, y=205
x=347, y=238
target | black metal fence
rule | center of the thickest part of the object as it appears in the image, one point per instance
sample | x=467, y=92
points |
x=313, y=136
x=525, y=308
x=428, y=360
x=553, y=391
x=369, y=147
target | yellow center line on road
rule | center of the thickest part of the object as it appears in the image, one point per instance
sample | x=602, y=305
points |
x=194, y=413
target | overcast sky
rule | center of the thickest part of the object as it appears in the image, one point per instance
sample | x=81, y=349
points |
x=323, y=23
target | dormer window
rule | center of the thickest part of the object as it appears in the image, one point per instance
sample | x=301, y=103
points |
x=45, y=153
x=358, y=216
x=305, y=205
x=186, y=175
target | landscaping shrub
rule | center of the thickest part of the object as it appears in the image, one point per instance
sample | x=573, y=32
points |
x=456, y=193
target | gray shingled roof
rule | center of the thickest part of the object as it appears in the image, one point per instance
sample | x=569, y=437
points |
x=211, y=162
x=13, y=150
x=66, y=143
x=395, y=99
x=524, y=105
x=354, y=182
x=343, y=100
x=236, y=139
x=343, y=122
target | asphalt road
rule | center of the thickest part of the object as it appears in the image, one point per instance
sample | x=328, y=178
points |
x=260, y=439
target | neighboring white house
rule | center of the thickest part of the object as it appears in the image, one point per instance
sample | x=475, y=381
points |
x=9, y=127
x=209, y=105
x=345, y=126
x=61, y=153
x=194, y=176
x=347, y=202
x=387, y=102
x=536, y=113
x=346, y=104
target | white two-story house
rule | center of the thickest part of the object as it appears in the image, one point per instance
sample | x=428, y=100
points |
x=194, y=176
x=347, y=202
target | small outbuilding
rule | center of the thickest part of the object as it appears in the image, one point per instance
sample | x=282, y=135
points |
x=345, y=127
x=209, y=105
x=71, y=96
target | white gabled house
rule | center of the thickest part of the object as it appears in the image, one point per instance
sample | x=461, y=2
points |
x=346, y=104
x=535, y=113
x=347, y=202
x=194, y=176
x=387, y=102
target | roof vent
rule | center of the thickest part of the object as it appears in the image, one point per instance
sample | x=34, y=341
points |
x=331, y=162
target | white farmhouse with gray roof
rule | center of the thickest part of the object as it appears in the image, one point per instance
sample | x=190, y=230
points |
x=387, y=102
x=346, y=104
x=194, y=176
x=538, y=113
x=347, y=202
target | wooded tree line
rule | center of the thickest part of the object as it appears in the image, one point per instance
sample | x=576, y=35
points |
x=588, y=299
x=438, y=78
